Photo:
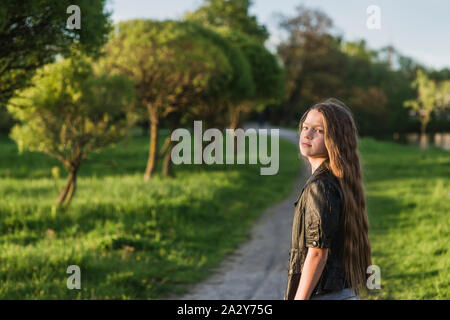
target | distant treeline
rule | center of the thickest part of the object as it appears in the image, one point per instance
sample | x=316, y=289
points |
x=373, y=83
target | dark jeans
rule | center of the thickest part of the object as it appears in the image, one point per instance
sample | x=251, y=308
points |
x=345, y=294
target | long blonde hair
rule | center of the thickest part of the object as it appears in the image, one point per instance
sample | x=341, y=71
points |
x=341, y=141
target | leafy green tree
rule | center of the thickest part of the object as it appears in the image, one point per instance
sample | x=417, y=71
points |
x=319, y=65
x=313, y=61
x=220, y=105
x=440, y=75
x=443, y=103
x=363, y=80
x=173, y=65
x=359, y=49
x=69, y=111
x=443, y=95
x=266, y=73
x=397, y=88
x=233, y=14
x=426, y=101
x=432, y=97
x=217, y=104
x=32, y=33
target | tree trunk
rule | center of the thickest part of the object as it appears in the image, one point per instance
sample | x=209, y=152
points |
x=68, y=191
x=423, y=136
x=63, y=193
x=153, y=150
x=234, y=123
x=167, y=162
x=164, y=147
x=71, y=190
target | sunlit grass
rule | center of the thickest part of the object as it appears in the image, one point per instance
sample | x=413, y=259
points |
x=408, y=204
x=131, y=239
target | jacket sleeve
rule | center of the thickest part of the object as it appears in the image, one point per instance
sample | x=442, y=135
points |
x=322, y=211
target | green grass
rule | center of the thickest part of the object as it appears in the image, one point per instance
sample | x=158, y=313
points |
x=132, y=240
x=408, y=200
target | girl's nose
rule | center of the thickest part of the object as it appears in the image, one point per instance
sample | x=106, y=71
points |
x=308, y=134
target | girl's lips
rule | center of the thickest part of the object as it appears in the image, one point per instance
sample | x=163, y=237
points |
x=306, y=145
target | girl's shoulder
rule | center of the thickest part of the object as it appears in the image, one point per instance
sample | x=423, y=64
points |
x=321, y=185
x=326, y=184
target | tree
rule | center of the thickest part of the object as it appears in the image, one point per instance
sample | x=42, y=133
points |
x=359, y=50
x=68, y=112
x=368, y=104
x=426, y=99
x=442, y=111
x=217, y=104
x=319, y=65
x=266, y=74
x=32, y=33
x=431, y=97
x=312, y=59
x=363, y=82
x=233, y=14
x=173, y=65
x=443, y=95
x=440, y=75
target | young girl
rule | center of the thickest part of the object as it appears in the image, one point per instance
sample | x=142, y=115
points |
x=330, y=249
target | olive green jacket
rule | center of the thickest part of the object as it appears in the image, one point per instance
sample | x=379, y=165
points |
x=318, y=223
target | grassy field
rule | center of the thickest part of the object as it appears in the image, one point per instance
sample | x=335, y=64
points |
x=146, y=240
x=408, y=205
x=131, y=240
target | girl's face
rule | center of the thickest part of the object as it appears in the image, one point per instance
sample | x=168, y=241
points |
x=312, y=144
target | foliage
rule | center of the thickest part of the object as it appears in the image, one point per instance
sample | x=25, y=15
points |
x=319, y=64
x=266, y=72
x=69, y=111
x=232, y=14
x=173, y=65
x=313, y=62
x=427, y=98
x=32, y=33
x=223, y=99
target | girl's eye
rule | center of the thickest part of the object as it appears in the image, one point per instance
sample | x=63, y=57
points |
x=317, y=130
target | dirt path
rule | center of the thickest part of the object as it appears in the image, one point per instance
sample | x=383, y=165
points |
x=257, y=269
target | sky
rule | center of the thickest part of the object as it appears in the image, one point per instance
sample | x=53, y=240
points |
x=417, y=28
